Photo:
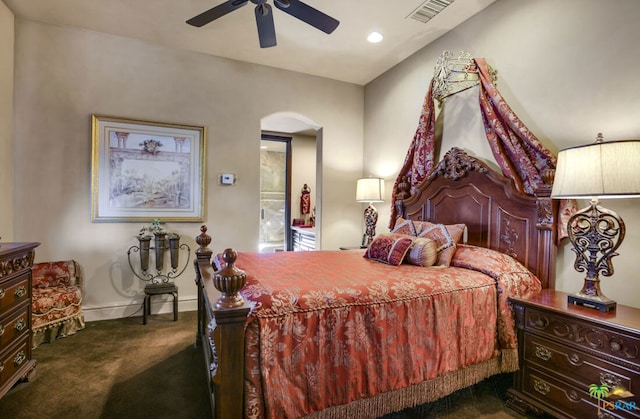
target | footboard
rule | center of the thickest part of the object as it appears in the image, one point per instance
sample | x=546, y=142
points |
x=222, y=315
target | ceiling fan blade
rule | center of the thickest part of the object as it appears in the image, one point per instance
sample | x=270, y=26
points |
x=308, y=14
x=216, y=12
x=266, y=27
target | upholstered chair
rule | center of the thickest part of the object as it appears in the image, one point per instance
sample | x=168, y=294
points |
x=56, y=301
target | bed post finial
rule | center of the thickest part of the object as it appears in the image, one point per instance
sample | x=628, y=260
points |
x=404, y=192
x=203, y=240
x=404, y=189
x=229, y=280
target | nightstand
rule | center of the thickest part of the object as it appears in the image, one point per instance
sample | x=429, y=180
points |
x=566, y=350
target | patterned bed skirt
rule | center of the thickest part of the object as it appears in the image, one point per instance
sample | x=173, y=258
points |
x=426, y=392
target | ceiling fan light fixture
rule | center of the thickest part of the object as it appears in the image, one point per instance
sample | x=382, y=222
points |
x=375, y=37
x=283, y=3
x=264, y=17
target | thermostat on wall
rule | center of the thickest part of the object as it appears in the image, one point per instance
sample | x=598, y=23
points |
x=227, y=178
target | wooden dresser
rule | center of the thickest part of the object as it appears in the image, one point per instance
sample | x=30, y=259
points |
x=566, y=351
x=16, y=260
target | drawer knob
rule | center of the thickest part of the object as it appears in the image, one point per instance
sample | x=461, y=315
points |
x=20, y=325
x=615, y=346
x=20, y=292
x=574, y=358
x=543, y=353
x=19, y=358
x=610, y=380
x=539, y=322
x=541, y=387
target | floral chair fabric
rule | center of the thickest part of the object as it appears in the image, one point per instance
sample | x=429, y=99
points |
x=56, y=300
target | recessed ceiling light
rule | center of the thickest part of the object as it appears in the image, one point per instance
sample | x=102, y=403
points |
x=374, y=37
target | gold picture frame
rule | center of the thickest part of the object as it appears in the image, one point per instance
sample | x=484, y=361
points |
x=143, y=170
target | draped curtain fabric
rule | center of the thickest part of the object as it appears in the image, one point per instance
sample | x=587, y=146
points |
x=420, y=157
x=517, y=151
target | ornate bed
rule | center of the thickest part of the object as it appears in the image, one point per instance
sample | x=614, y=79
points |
x=246, y=377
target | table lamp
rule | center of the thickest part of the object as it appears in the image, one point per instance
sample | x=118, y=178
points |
x=370, y=190
x=599, y=170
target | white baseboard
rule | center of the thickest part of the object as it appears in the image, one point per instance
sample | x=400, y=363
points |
x=92, y=314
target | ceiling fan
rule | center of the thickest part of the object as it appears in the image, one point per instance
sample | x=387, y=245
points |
x=264, y=17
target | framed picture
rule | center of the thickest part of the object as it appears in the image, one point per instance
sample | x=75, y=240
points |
x=143, y=170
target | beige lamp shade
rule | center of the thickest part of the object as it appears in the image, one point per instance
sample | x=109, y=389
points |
x=370, y=190
x=603, y=169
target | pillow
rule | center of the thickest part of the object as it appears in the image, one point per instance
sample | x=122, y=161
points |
x=405, y=227
x=486, y=260
x=423, y=252
x=445, y=236
x=522, y=283
x=389, y=248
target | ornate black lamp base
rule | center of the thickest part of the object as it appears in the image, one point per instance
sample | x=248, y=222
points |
x=602, y=304
x=370, y=220
x=595, y=233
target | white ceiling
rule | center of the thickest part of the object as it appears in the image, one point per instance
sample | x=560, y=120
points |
x=343, y=55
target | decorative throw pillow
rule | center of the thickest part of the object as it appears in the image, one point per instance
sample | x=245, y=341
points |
x=488, y=261
x=407, y=227
x=500, y=267
x=446, y=237
x=423, y=252
x=389, y=248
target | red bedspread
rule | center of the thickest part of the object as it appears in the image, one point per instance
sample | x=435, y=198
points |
x=328, y=328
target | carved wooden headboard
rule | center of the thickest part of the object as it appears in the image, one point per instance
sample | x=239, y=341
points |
x=463, y=189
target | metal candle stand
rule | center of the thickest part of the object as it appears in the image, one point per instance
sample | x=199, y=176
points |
x=159, y=248
x=159, y=282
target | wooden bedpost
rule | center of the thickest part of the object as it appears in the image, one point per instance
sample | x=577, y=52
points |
x=203, y=255
x=547, y=230
x=222, y=318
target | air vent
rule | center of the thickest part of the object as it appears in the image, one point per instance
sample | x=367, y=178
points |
x=429, y=9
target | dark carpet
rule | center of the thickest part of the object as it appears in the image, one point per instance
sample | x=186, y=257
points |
x=122, y=369
x=483, y=400
x=117, y=369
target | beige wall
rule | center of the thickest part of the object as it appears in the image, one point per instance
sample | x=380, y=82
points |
x=6, y=123
x=567, y=68
x=64, y=75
